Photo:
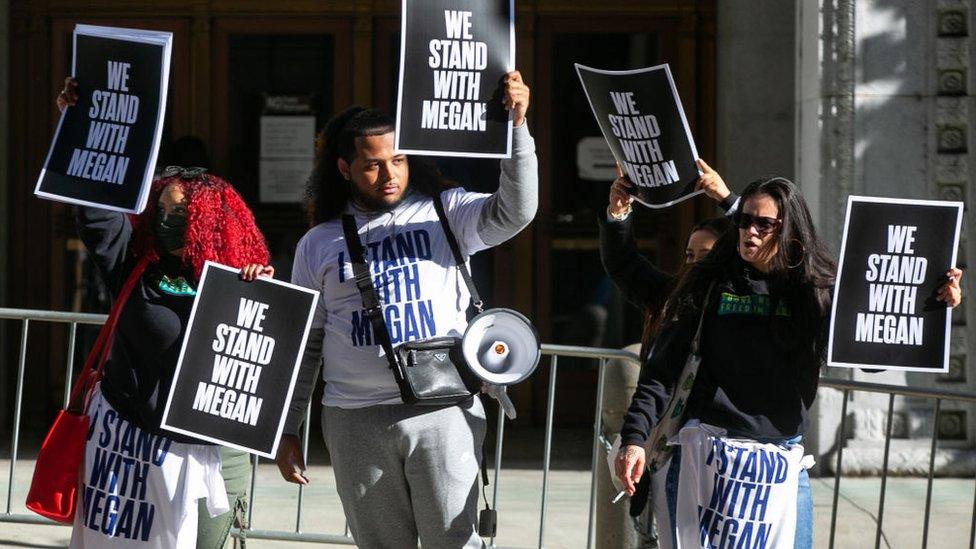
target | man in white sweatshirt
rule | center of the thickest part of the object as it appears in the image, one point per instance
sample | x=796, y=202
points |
x=402, y=471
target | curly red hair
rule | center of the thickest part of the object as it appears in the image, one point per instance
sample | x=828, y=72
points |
x=219, y=225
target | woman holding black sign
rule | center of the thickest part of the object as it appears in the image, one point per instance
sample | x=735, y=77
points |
x=756, y=310
x=141, y=485
x=640, y=281
x=647, y=287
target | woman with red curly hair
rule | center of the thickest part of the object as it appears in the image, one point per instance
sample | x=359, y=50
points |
x=141, y=485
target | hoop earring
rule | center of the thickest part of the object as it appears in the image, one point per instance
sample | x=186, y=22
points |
x=803, y=254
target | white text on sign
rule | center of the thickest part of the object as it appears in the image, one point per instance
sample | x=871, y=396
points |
x=241, y=352
x=457, y=63
x=894, y=278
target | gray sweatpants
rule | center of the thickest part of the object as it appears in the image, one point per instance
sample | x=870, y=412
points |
x=407, y=471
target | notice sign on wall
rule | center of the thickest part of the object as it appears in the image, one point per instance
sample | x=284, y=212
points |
x=287, y=157
x=104, y=149
x=641, y=118
x=239, y=360
x=453, y=57
x=893, y=259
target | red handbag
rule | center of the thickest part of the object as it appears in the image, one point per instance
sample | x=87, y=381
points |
x=54, y=487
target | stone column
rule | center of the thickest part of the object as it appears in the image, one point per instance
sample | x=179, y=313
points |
x=824, y=157
x=756, y=78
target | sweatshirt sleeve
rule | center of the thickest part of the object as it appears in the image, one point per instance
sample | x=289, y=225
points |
x=311, y=364
x=650, y=397
x=639, y=280
x=659, y=374
x=106, y=235
x=512, y=207
x=730, y=204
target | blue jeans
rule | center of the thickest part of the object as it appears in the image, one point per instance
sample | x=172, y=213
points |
x=803, y=538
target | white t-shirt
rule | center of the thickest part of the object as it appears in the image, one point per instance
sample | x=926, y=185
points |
x=415, y=275
x=139, y=490
x=734, y=492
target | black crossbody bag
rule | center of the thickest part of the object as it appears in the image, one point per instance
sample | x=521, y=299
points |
x=429, y=371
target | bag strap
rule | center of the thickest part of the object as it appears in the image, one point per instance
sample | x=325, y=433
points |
x=91, y=372
x=462, y=266
x=364, y=283
x=701, y=319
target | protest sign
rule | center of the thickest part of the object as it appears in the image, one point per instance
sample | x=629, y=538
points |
x=893, y=259
x=641, y=118
x=736, y=492
x=453, y=57
x=239, y=360
x=104, y=149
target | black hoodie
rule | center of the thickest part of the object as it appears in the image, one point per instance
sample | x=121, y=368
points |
x=759, y=371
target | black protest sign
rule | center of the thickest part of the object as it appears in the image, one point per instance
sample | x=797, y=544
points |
x=641, y=118
x=104, y=150
x=453, y=57
x=239, y=361
x=894, y=257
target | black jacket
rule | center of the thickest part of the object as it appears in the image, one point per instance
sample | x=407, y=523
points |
x=641, y=283
x=151, y=325
x=759, y=371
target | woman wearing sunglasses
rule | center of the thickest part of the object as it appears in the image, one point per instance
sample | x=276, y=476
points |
x=142, y=486
x=762, y=296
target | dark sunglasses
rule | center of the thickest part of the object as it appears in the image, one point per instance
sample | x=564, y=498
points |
x=185, y=173
x=764, y=225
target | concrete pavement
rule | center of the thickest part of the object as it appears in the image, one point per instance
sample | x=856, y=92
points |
x=566, y=526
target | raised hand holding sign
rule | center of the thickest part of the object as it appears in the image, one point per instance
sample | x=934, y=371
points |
x=642, y=120
x=104, y=149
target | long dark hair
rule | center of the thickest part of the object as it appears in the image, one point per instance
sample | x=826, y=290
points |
x=715, y=226
x=328, y=192
x=801, y=273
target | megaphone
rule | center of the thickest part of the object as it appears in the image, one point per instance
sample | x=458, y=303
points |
x=501, y=346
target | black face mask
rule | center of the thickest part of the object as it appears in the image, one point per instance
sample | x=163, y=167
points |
x=169, y=231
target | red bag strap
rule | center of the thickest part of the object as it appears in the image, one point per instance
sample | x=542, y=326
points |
x=92, y=370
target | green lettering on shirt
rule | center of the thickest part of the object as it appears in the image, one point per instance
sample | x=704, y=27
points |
x=755, y=305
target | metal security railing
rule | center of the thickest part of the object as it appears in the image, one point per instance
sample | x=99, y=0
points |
x=554, y=352
x=938, y=395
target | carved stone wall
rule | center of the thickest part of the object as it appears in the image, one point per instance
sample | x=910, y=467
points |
x=952, y=179
x=896, y=117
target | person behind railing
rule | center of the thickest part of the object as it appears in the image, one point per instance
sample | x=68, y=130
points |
x=639, y=280
x=403, y=471
x=762, y=339
x=646, y=286
x=192, y=217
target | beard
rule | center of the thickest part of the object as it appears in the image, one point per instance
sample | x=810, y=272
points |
x=372, y=203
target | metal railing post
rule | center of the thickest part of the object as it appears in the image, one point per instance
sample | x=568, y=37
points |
x=498, y=462
x=250, y=493
x=884, y=471
x=18, y=405
x=68, y=377
x=550, y=410
x=972, y=526
x=840, y=462
x=594, y=461
x=301, y=487
x=928, y=487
